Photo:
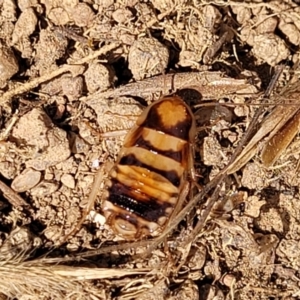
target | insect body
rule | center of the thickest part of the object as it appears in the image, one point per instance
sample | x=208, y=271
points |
x=149, y=176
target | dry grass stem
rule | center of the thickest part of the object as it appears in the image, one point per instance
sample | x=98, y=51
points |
x=26, y=87
x=13, y=198
x=33, y=278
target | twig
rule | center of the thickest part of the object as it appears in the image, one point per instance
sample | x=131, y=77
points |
x=63, y=69
x=14, y=198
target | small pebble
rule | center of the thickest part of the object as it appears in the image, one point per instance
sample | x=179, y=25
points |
x=95, y=163
x=122, y=15
x=68, y=180
x=28, y=179
x=97, y=218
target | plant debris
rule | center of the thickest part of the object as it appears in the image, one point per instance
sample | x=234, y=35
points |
x=75, y=77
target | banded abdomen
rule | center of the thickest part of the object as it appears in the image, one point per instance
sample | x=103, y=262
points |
x=147, y=179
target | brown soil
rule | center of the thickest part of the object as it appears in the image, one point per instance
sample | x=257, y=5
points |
x=74, y=77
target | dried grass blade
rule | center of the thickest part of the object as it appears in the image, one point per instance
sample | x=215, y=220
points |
x=274, y=122
x=276, y=145
x=82, y=273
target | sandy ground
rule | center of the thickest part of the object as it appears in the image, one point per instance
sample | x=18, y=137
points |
x=74, y=77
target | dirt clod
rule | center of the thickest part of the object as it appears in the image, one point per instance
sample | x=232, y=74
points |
x=122, y=15
x=212, y=152
x=72, y=87
x=25, y=26
x=49, y=48
x=8, y=64
x=59, y=16
x=99, y=77
x=83, y=15
x=254, y=177
x=47, y=144
x=270, y=48
x=187, y=290
x=147, y=57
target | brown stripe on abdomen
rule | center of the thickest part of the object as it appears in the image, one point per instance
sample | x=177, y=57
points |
x=131, y=160
x=124, y=197
x=180, y=130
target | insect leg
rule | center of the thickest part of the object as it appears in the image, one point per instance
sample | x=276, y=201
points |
x=182, y=197
x=191, y=167
x=183, y=194
x=91, y=200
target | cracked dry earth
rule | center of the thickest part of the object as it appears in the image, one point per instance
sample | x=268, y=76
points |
x=74, y=77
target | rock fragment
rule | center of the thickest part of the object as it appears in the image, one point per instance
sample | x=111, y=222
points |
x=48, y=144
x=68, y=180
x=25, y=181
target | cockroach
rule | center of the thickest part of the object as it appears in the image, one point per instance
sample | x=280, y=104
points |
x=149, y=181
